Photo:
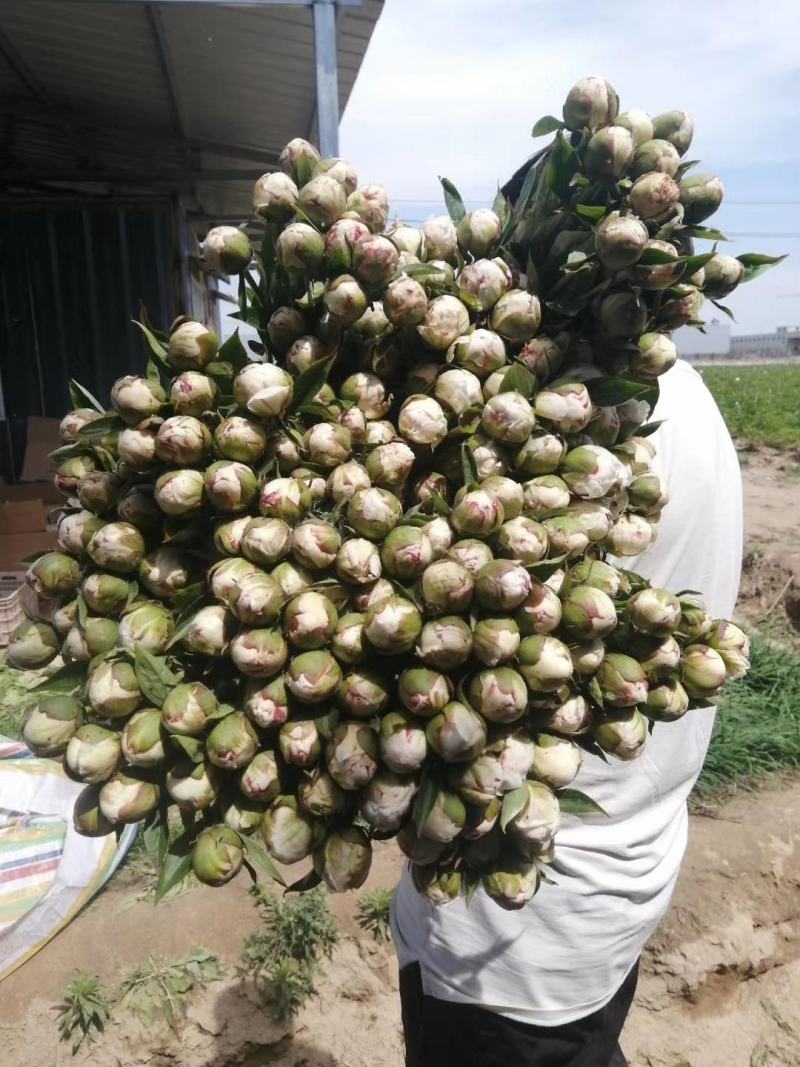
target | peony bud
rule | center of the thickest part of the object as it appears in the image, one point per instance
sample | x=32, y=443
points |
x=481, y=352
x=180, y=492
x=135, y=399
x=591, y=103
x=191, y=346
x=544, y=663
x=516, y=316
x=445, y=643
x=117, y=547
x=227, y=250
x=93, y=754
x=608, y=154
x=623, y=734
x=620, y=239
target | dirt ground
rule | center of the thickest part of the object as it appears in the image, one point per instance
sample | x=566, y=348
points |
x=720, y=982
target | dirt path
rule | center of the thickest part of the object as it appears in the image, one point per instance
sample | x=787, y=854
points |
x=720, y=983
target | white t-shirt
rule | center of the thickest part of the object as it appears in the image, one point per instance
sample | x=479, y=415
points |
x=567, y=952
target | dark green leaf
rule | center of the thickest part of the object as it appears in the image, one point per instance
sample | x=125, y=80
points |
x=440, y=505
x=562, y=166
x=469, y=468
x=453, y=201
x=99, y=427
x=545, y=568
x=220, y=371
x=513, y=803
x=596, y=693
x=155, y=836
x=546, y=124
x=186, y=597
x=649, y=427
x=81, y=397
x=608, y=392
x=531, y=275
x=192, y=747
x=83, y=611
x=500, y=206
x=594, y=212
x=176, y=866
x=420, y=270
x=155, y=678
x=309, y=383
x=518, y=380
x=704, y=233
x=158, y=351
x=755, y=264
x=652, y=256
x=692, y=264
x=261, y=859
x=725, y=310
x=308, y=881
x=66, y=679
x=251, y=316
x=574, y=802
x=425, y=799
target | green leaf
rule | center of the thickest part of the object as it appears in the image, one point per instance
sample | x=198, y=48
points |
x=469, y=468
x=155, y=678
x=545, y=567
x=595, y=212
x=309, y=383
x=500, y=206
x=755, y=263
x=420, y=270
x=453, y=201
x=220, y=371
x=155, y=836
x=546, y=124
x=518, y=380
x=704, y=233
x=99, y=427
x=176, y=866
x=261, y=859
x=440, y=505
x=574, y=802
x=652, y=256
x=308, y=881
x=649, y=427
x=596, y=693
x=83, y=611
x=562, y=166
x=186, y=598
x=425, y=799
x=81, y=397
x=192, y=747
x=725, y=310
x=513, y=803
x=65, y=680
x=158, y=350
x=608, y=392
x=252, y=316
x=692, y=264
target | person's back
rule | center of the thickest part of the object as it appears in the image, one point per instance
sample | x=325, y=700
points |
x=564, y=955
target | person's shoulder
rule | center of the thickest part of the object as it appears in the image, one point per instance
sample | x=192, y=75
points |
x=682, y=391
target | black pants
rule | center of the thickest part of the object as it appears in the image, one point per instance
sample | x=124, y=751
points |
x=439, y=1033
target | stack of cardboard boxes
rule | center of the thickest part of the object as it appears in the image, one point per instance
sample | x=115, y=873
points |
x=25, y=526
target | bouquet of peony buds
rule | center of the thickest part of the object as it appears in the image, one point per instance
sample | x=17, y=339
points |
x=367, y=579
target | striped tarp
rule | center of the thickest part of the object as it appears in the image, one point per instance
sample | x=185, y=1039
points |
x=48, y=872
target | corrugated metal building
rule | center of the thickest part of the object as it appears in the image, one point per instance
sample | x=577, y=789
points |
x=128, y=127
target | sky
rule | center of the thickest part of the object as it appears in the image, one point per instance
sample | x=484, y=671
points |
x=453, y=88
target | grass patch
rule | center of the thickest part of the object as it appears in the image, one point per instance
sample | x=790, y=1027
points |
x=757, y=730
x=760, y=402
x=15, y=698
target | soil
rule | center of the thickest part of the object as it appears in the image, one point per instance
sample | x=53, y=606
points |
x=720, y=982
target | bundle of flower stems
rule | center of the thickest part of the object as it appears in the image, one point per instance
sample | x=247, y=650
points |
x=354, y=580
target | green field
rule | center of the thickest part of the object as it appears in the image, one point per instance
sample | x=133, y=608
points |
x=759, y=403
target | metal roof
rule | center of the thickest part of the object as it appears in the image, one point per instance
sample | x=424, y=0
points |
x=189, y=96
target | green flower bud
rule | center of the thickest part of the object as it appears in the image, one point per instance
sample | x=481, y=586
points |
x=138, y=507
x=105, y=594
x=629, y=536
x=676, y=127
x=402, y=743
x=208, y=633
x=259, y=653
x=666, y=702
x=445, y=643
x=544, y=663
x=266, y=703
x=51, y=724
x=225, y=575
x=193, y=786
x=495, y=641
x=387, y=800
x=54, y=574
x=351, y=755
x=313, y=676
x=188, y=709
x=191, y=346
x=446, y=818
x=75, y=530
x=180, y=492
x=556, y=761
x=653, y=197
x=289, y=834
x=143, y=739
x=540, y=611
x=259, y=780
x=232, y=743
x=445, y=320
x=456, y=733
x=591, y=103
x=499, y=694
x=369, y=205
x=87, y=818
x=127, y=798
x=217, y=855
x=622, y=681
x=438, y=885
x=481, y=352
x=135, y=399
x=315, y=543
x=733, y=645
x=74, y=421
x=373, y=513
x=242, y=814
x=573, y=716
x=620, y=239
x=722, y=275
x=516, y=316
x=424, y=691
x=587, y=612
x=93, y=753
x=275, y=197
x=298, y=158
x=637, y=123
x=150, y=627
x=264, y=389
x=71, y=472
x=703, y=671
x=701, y=195
x=608, y=154
x=511, y=882
x=540, y=455
x=623, y=734
x=227, y=250
x=656, y=155
x=230, y=487
x=112, y=688
x=478, y=514
x=447, y=587
x=392, y=625
x=33, y=645
x=655, y=612
x=319, y=795
x=343, y=859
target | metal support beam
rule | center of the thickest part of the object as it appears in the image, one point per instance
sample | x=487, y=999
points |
x=238, y=3
x=159, y=35
x=326, y=76
x=122, y=177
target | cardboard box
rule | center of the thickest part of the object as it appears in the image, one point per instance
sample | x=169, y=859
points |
x=22, y=516
x=42, y=439
x=44, y=491
x=14, y=547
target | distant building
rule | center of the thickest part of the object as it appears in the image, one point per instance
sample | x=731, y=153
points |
x=717, y=343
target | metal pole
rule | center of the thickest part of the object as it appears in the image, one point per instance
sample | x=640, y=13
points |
x=326, y=77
